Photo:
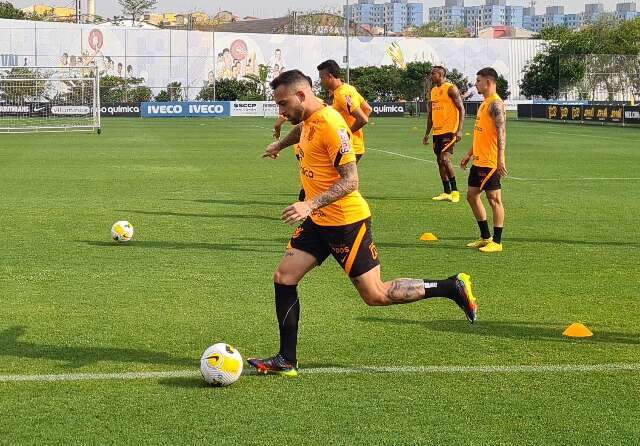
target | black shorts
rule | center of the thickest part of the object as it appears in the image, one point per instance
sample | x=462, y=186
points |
x=444, y=142
x=351, y=245
x=486, y=178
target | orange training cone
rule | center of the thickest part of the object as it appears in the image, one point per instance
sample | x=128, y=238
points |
x=428, y=237
x=577, y=330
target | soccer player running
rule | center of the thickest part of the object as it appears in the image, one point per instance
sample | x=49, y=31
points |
x=446, y=118
x=348, y=102
x=489, y=164
x=336, y=221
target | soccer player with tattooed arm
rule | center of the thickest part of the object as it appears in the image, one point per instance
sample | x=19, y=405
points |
x=489, y=163
x=334, y=219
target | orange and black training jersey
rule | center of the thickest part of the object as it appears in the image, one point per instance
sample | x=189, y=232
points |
x=325, y=144
x=346, y=99
x=444, y=113
x=485, y=135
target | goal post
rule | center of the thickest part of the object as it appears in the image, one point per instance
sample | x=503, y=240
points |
x=49, y=99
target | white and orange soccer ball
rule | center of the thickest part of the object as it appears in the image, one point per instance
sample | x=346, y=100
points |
x=122, y=231
x=221, y=365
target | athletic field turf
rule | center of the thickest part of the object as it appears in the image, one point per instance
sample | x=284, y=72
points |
x=208, y=237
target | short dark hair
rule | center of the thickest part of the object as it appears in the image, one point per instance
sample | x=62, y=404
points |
x=488, y=72
x=440, y=67
x=331, y=67
x=289, y=78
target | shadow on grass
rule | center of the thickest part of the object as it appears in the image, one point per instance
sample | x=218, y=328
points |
x=391, y=198
x=75, y=357
x=283, y=240
x=553, y=241
x=270, y=240
x=511, y=329
x=194, y=382
x=151, y=244
x=236, y=201
x=186, y=214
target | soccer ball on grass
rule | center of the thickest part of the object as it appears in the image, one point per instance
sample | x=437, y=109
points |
x=122, y=231
x=221, y=365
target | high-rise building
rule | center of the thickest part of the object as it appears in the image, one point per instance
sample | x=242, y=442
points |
x=498, y=13
x=555, y=16
x=475, y=18
x=393, y=16
x=592, y=11
x=626, y=11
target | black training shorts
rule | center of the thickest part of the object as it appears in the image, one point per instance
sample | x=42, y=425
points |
x=351, y=245
x=444, y=142
x=486, y=178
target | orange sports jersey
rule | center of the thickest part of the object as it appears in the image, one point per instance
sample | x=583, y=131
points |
x=346, y=99
x=485, y=135
x=325, y=143
x=444, y=113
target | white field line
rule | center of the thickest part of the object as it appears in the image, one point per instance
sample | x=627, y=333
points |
x=509, y=177
x=402, y=155
x=446, y=370
x=516, y=178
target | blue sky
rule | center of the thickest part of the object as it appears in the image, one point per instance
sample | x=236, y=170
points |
x=262, y=8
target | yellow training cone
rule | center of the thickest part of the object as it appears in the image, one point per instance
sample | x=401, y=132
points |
x=577, y=330
x=428, y=237
x=467, y=134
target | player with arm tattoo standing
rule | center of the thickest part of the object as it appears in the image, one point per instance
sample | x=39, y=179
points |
x=489, y=162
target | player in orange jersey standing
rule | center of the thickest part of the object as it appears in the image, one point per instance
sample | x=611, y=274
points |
x=348, y=102
x=489, y=162
x=446, y=118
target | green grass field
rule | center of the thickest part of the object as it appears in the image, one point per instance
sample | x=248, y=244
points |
x=208, y=237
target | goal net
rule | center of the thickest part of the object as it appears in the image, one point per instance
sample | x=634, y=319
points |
x=49, y=99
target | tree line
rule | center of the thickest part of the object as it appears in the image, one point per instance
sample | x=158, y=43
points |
x=602, y=57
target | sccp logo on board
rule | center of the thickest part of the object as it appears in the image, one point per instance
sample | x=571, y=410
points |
x=246, y=108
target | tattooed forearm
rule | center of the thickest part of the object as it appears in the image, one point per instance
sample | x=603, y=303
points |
x=499, y=116
x=348, y=183
x=403, y=291
x=292, y=138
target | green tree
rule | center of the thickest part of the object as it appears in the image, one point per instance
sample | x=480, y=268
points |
x=173, y=92
x=260, y=82
x=8, y=11
x=390, y=83
x=17, y=91
x=429, y=29
x=502, y=87
x=459, y=80
x=414, y=80
x=230, y=90
x=378, y=83
x=566, y=63
x=459, y=31
x=434, y=29
x=114, y=89
x=136, y=8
